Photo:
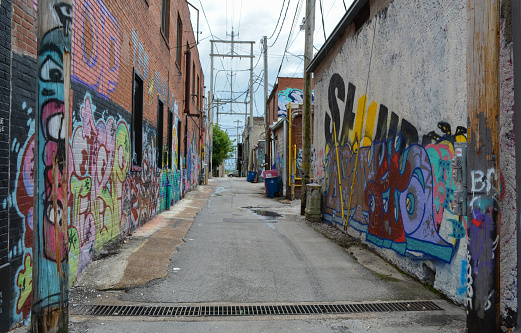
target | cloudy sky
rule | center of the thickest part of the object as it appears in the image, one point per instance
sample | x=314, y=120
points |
x=250, y=20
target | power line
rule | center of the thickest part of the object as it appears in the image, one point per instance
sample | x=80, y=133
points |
x=297, y=10
x=278, y=20
x=281, y=25
x=323, y=25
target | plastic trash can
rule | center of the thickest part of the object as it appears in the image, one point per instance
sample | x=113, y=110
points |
x=251, y=176
x=272, y=186
x=268, y=174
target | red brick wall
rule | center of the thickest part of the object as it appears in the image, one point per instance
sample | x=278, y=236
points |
x=111, y=39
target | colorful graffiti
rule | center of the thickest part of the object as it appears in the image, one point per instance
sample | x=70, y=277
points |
x=157, y=84
x=394, y=190
x=96, y=47
x=52, y=267
x=290, y=95
x=21, y=199
x=99, y=162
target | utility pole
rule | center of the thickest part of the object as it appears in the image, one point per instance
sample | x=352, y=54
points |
x=50, y=283
x=266, y=111
x=237, y=144
x=250, y=162
x=483, y=293
x=232, y=54
x=210, y=93
x=306, y=117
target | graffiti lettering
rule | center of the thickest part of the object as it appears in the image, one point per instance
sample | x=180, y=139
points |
x=402, y=190
x=96, y=47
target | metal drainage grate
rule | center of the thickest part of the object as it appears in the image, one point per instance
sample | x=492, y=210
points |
x=252, y=310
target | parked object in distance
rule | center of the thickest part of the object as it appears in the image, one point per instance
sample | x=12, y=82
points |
x=234, y=174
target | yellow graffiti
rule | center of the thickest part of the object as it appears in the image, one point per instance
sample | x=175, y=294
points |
x=25, y=282
x=356, y=134
x=370, y=125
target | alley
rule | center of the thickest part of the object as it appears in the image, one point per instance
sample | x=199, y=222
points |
x=244, y=248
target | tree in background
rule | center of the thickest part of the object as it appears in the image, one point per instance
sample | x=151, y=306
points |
x=223, y=147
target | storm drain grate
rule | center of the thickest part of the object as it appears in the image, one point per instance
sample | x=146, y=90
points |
x=252, y=310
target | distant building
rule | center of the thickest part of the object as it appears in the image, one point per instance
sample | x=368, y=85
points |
x=287, y=90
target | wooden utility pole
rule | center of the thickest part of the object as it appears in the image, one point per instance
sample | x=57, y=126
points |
x=266, y=110
x=306, y=117
x=51, y=242
x=483, y=296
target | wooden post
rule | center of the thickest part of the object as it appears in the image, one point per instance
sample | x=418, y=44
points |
x=306, y=112
x=483, y=311
x=51, y=242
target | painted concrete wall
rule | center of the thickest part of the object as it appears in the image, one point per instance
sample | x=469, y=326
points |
x=508, y=244
x=393, y=96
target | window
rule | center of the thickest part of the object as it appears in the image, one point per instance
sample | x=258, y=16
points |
x=165, y=18
x=179, y=42
x=193, y=79
x=170, y=128
x=137, y=121
x=159, y=134
x=198, y=93
x=178, y=147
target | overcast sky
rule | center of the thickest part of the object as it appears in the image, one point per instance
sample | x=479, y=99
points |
x=250, y=20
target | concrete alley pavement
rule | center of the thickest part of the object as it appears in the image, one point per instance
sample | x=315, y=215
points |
x=228, y=244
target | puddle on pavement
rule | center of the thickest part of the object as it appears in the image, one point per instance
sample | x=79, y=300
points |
x=266, y=213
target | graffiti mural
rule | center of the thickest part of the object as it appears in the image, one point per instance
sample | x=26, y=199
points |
x=293, y=96
x=99, y=163
x=96, y=47
x=20, y=200
x=395, y=190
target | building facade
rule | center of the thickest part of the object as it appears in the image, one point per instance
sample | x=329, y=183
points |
x=287, y=90
x=121, y=127
x=390, y=114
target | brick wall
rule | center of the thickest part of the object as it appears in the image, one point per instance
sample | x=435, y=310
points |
x=109, y=197
x=5, y=59
x=112, y=42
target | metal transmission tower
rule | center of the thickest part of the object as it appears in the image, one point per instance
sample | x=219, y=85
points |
x=231, y=101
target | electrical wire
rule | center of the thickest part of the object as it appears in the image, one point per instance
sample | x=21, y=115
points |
x=282, y=24
x=297, y=10
x=278, y=20
x=323, y=25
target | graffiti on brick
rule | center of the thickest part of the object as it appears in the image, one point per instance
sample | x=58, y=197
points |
x=20, y=199
x=96, y=47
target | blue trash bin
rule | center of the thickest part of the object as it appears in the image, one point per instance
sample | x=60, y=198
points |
x=272, y=186
x=251, y=176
